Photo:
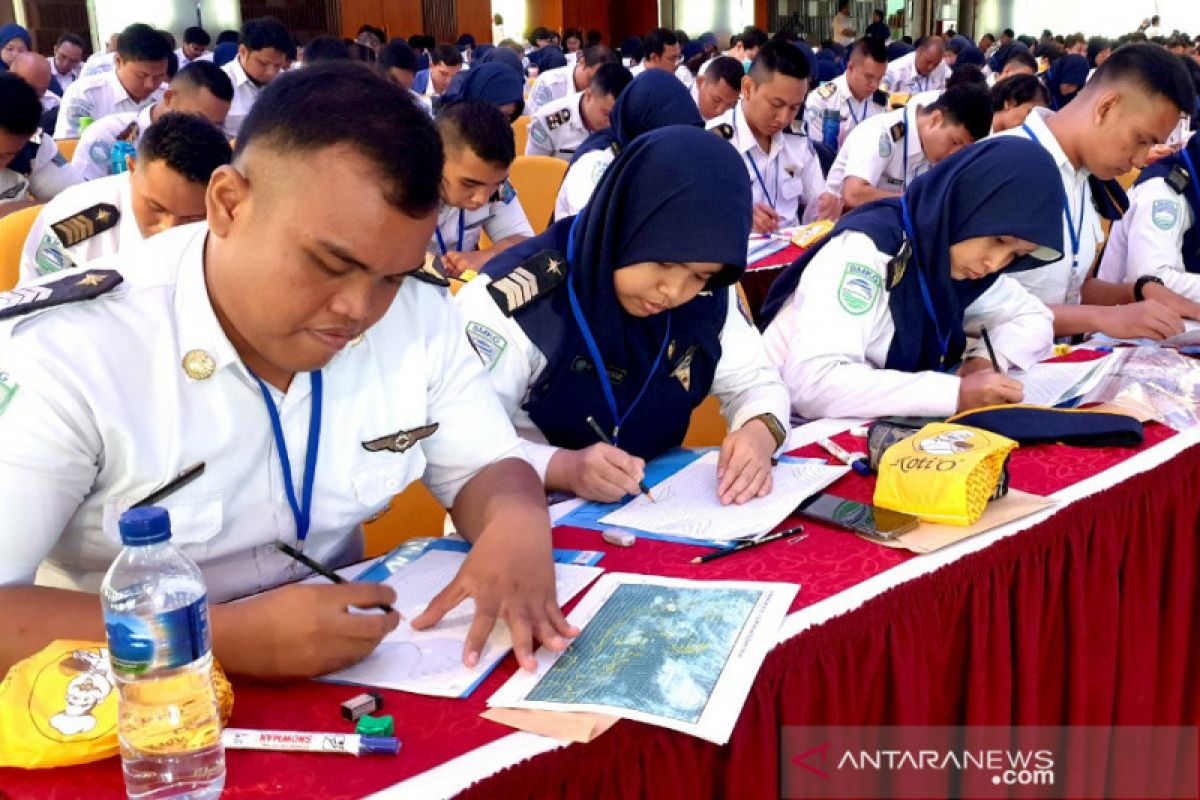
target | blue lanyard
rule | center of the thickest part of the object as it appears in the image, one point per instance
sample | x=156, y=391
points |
x=750, y=157
x=598, y=360
x=462, y=214
x=943, y=339
x=906, y=127
x=850, y=105
x=1192, y=172
x=302, y=510
x=917, y=76
x=1075, y=233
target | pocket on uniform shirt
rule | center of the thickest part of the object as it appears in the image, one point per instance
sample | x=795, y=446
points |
x=792, y=188
x=376, y=485
x=194, y=521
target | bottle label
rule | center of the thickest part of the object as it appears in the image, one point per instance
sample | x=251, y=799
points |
x=164, y=641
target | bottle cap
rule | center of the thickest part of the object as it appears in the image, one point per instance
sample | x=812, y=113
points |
x=378, y=746
x=143, y=526
x=375, y=726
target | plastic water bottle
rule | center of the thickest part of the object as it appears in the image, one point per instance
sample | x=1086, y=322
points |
x=831, y=123
x=156, y=617
x=121, y=149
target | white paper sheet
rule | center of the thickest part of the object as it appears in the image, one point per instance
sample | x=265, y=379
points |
x=686, y=504
x=1051, y=384
x=666, y=651
x=430, y=662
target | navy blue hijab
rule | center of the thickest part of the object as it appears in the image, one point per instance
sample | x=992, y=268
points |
x=1162, y=168
x=654, y=99
x=1070, y=69
x=548, y=57
x=1003, y=186
x=650, y=193
x=505, y=56
x=495, y=83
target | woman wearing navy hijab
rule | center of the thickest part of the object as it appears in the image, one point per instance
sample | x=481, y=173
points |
x=873, y=320
x=1065, y=78
x=654, y=99
x=628, y=314
x=496, y=83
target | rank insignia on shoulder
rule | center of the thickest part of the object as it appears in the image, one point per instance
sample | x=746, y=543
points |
x=535, y=277
x=432, y=271
x=897, y=131
x=505, y=194
x=897, y=266
x=85, y=286
x=724, y=130
x=86, y=224
x=558, y=118
x=881, y=98
x=827, y=91
x=400, y=441
x=1178, y=179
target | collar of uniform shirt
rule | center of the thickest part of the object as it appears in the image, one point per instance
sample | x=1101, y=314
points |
x=118, y=89
x=196, y=321
x=240, y=77
x=1037, y=122
x=746, y=141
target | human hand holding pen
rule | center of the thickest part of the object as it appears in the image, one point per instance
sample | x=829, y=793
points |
x=981, y=386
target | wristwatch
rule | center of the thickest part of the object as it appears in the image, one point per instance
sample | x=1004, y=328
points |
x=774, y=426
x=1139, y=286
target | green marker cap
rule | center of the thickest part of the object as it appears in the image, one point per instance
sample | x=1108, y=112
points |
x=375, y=726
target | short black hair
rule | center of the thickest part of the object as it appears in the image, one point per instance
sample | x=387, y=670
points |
x=966, y=73
x=598, y=56
x=266, y=33
x=594, y=37
x=1019, y=90
x=189, y=144
x=753, y=37
x=610, y=80
x=779, y=58
x=360, y=52
x=657, y=40
x=445, y=54
x=968, y=105
x=1009, y=33
x=728, y=70
x=1022, y=57
x=1154, y=68
x=397, y=54
x=479, y=126
x=572, y=33
x=933, y=40
x=196, y=35
x=322, y=106
x=140, y=42
x=205, y=75
x=228, y=37
x=70, y=38
x=325, y=48
x=20, y=107
x=871, y=47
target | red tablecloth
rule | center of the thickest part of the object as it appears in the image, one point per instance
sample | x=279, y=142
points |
x=1089, y=616
x=759, y=276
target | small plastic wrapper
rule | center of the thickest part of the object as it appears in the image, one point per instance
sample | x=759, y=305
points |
x=1155, y=383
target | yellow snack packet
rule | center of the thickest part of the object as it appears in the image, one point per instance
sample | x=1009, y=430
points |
x=944, y=473
x=812, y=233
x=59, y=706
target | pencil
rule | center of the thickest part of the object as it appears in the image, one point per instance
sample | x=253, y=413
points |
x=704, y=559
x=987, y=342
x=591, y=421
x=175, y=484
x=320, y=569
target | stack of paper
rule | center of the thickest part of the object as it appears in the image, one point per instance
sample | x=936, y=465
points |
x=1056, y=383
x=669, y=652
x=430, y=661
x=686, y=505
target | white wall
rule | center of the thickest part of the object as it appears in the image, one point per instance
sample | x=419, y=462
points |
x=112, y=16
x=1091, y=17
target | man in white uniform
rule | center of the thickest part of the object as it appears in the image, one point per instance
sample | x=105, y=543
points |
x=195, y=46
x=262, y=53
x=1131, y=104
x=201, y=88
x=66, y=62
x=562, y=125
x=717, y=89
x=29, y=160
x=887, y=151
x=163, y=189
x=660, y=50
x=785, y=175
x=855, y=95
x=555, y=84
x=136, y=81
x=184, y=362
x=921, y=70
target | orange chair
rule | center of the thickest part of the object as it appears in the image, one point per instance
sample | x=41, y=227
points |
x=414, y=512
x=521, y=133
x=536, y=179
x=13, y=230
x=66, y=147
x=1128, y=178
